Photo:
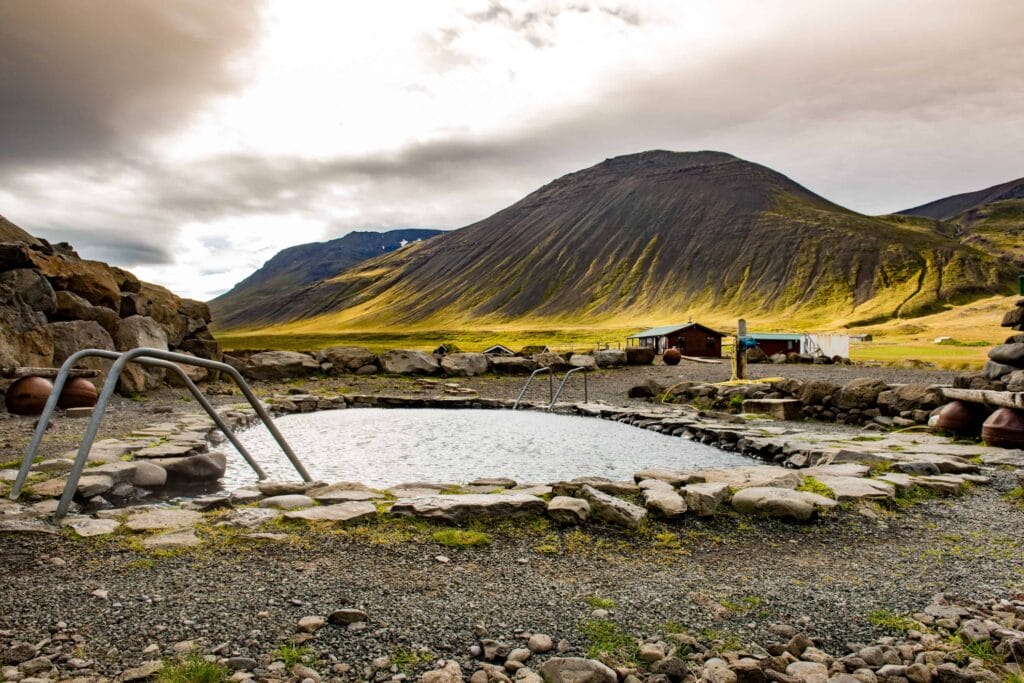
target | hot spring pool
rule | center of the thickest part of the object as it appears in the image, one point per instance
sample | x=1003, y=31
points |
x=382, y=447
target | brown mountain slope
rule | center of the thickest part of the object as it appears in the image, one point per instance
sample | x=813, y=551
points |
x=949, y=208
x=652, y=235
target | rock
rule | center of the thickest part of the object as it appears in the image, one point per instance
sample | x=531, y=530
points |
x=860, y=393
x=639, y=355
x=776, y=408
x=567, y=510
x=464, y=364
x=143, y=671
x=582, y=360
x=771, y=501
x=280, y=365
x=249, y=518
x=342, y=492
x=341, y=512
x=451, y=672
x=576, y=670
x=664, y=502
x=910, y=397
x=975, y=631
x=87, y=527
x=19, y=651
x=540, y=643
x=458, y=508
x=672, y=477
x=1008, y=354
x=494, y=482
x=75, y=335
x=201, y=467
x=808, y=672
x=673, y=668
x=310, y=624
x=610, y=358
x=168, y=518
x=287, y=488
x=993, y=370
x=754, y=476
x=555, y=361
x=511, y=365
x=613, y=510
x=182, y=538
x=291, y=501
x=347, y=358
x=344, y=617
x=856, y=488
x=409, y=362
x=136, y=332
x=651, y=652
x=815, y=392
x=148, y=475
x=704, y=499
x=30, y=287
x=240, y=663
x=1015, y=381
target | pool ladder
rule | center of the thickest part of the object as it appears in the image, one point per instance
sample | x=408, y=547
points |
x=552, y=394
x=157, y=358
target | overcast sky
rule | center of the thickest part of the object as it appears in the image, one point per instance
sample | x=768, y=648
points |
x=190, y=140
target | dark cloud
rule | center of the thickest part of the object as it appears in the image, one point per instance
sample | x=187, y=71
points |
x=79, y=78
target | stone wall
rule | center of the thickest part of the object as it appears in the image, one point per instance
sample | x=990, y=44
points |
x=1004, y=370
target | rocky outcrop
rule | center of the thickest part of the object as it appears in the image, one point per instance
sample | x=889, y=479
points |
x=53, y=303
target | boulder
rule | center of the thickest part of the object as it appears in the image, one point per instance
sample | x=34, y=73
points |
x=30, y=287
x=610, y=358
x=460, y=508
x=340, y=512
x=861, y=393
x=772, y=501
x=133, y=333
x=201, y=467
x=582, y=360
x=1014, y=381
x=168, y=518
x=910, y=397
x=511, y=365
x=24, y=340
x=608, y=508
x=347, y=358
x=165, y=307
x=754, y=476
x=576, y=670
x=1008, y=354
x=856, y=488
x=568, y=510
x=74, y=335
x=639, y=355
x=464, y=364
x=993, y=370
x=813, y=393
x=671, y=477
x=91, y=280
x=664, y=501
x=70, y=306
x=704, y=499
x=555, y=361
x=280, y=365
x=195, y=310
x=409, y=362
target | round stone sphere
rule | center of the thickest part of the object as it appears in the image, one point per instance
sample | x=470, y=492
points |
x=78, y=393
x=1004, y=428
x=961, y=418
x=672, y=357
x=28, y=395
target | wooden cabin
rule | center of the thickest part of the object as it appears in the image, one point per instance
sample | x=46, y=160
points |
x=692, y=339
x=499, y=350
x=778, y=342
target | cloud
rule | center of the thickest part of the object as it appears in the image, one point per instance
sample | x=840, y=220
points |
x=84, y=78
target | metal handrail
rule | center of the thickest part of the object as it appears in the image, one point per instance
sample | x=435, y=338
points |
x=586, y=387
x=551, y=385
x=139, y=355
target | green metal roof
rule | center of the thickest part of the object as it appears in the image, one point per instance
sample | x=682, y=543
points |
x=668, y=329
x=778, y=336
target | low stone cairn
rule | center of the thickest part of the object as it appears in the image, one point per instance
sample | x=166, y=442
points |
x=1004, y=370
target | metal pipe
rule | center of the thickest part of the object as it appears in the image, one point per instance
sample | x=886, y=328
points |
x=562, y=386
x=527, y=385
x=114, y=355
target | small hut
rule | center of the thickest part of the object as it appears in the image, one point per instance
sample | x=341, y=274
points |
x=691, y=339
x=499, y=350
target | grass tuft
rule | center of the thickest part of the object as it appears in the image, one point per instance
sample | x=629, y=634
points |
x=596, y=602
x=889, y=620
x=292, y=654
x=1016, y=496
x=608, y=639
x=458, y=538
x=193, y=669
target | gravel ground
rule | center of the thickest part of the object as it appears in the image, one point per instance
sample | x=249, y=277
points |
x=730, y=577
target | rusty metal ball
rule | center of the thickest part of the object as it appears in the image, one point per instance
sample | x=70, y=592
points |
x=28, y=395
x=78, y=393
x=961, y=418
x=1004, y=428
x=672, y=357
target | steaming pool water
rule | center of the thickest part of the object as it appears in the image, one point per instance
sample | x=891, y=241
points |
x=382, y=447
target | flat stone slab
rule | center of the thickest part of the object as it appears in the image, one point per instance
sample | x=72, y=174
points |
x=169, y=450
x=857, y=489
x=152, y=520
x=342, y=512
x=568, y=510
x=182, y=538
x=783, y=503
x=249, y=518
x=291, y=501
x=673, y=477
x=25, y=526
x=608, y=508
x=328, y=495
x=87, y=527
x=664, y=502
x=755, y=476
x=705, y=498
x=849, y=469
x=777, y=408
x=458, y=508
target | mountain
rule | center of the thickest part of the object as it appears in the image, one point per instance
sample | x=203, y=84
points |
x=991, y=219
x=951, y=207
x=652, y=236
x=253, y=299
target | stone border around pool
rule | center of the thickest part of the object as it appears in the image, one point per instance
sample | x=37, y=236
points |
x=806, y=464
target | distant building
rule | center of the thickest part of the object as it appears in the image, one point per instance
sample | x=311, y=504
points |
x=533, y=349
x=499, y=350
x=811, y=344
x=692, y=339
